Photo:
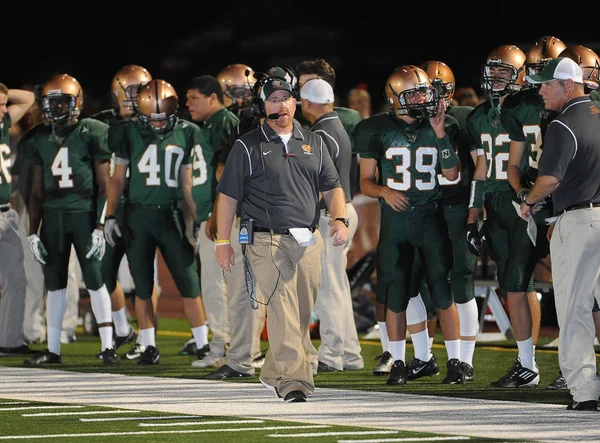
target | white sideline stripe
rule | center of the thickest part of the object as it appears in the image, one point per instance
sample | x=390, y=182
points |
x=189, y=423
x=385, y=440
x=14, y=403
x=24, y=408
x=329, y=434
x=52, y=414
x=164, y=417
x=179, y=431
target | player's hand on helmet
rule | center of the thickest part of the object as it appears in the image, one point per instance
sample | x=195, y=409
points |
x=396, y=199
x=111, y=230
x=96, y=245
x=38, y=251
x=474, y=239
x=437, y=121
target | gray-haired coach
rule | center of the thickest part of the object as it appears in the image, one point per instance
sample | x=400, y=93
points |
x=277, y=172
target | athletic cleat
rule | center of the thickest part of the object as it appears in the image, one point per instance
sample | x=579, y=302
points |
x=559, y=383
x=455, y=374
x=518, y=377
x=209, y=360
x=295, y=397
x=109, y=356
x=384, y=367
x=125, y=339
x=398, y=374
x=271, y=388
x=203, y=351
x=135, y=352
x=149, y=357
x=44, y=357
x=419, y=368
x=189, y=348
x=469, y=371
x=589, y=405
x=259, y=360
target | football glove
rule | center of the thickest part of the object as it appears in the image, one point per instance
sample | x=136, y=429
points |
x=38, y=251
x=196, y=231
x=96, y=246
x=111, y=228
x=474, y=239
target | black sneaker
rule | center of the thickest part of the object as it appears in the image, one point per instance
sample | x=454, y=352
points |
x=419, y=368
x=384, y=367
x=518, y=377
x=201, y=353
x=189, y=348
x=135, y=352
x=324, y=367
x=109, y=357
x=469, y=371
x=398, y=374
x=455, y=374
x=559, y=383
x=149, y=357
x=125, y=339
x=295, y=397
x=589, y=405
x=44, y=357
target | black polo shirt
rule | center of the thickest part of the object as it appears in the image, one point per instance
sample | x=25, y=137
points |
x=278, y=187
x=339, y=145
x=572, y=154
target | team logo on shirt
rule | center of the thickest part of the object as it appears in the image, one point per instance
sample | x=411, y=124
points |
x=495, y=123
x=410, y=137
x=307, y=149
x=544, y=114
x=445, y=153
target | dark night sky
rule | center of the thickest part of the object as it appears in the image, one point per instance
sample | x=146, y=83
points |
x=176, y=43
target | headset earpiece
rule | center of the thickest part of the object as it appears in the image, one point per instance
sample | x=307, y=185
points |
x=258, y=107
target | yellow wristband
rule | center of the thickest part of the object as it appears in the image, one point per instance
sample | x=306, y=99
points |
x=223, y=242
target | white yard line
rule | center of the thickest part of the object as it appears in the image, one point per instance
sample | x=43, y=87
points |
x=29, y=408
x=56, y=414
x=331, y=434
x=138, y=418
x=389, y=440
x=190, y=423
x=383, y=410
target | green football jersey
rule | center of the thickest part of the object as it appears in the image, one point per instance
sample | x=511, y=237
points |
x=407, y=155
x=525, y=119
x=154, y=160
x=68, y=159
x=216, y=133
x=484, y=126
x=458, y=191
x=108, y=116
x=5, y=177
x=595, y=96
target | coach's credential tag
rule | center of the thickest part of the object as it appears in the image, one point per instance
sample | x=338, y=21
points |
x=303, y=236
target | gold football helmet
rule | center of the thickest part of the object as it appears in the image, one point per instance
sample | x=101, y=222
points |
x=237, y=81
x=588, y=61
x=503, y=71
x=544, y=50
x=409, y=92
x=157, y=106
x=442, y=77
x=125, y=84
x=62, y=99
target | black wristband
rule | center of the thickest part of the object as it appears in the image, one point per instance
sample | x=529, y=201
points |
x=345, y=221
x=527, y=203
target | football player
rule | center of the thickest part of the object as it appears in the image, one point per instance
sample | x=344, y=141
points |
x=70, y=174
x=502, y=74
x=400, y=151
x=124, y=93
x=237, y=81
x=156, y=147
x=455, y=200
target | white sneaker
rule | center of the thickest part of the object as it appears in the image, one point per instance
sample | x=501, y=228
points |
x=210, y=360
x=135, y=352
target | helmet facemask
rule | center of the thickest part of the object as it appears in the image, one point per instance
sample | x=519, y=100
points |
x=59, y=108
x=418, y=102
x=488, y=79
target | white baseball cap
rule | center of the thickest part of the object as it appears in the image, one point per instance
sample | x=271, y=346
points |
x=561, y=68
x=317, y=91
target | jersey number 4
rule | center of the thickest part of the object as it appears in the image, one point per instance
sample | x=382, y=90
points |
x=149, y=165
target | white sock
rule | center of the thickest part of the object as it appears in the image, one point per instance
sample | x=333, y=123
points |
x=148, y=338
x=200, y=334
x=535, y=366
x=430, y=339
x=453, y=349
x=526, y=353
x=421, y=344
x=416, y=311
x=385, y=339
x=56, y=306
x=398, y=350
x=467, y=348
x=100, y=301
x=120, y=322
x=468, y=315
x=106, y=337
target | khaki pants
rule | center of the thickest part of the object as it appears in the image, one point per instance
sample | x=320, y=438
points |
x=287, y=277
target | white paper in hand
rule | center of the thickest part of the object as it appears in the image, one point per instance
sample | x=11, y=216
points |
x=531, y=226
x=303, y=236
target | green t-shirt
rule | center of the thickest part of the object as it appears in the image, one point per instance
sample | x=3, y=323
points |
x=68, y=159
x=154, y=160
x=407, y=155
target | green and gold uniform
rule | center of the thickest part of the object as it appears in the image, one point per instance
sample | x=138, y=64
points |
x=485, y=126
x=5, y=176
x=407, y=158
x=70, y=208
x=152, y=216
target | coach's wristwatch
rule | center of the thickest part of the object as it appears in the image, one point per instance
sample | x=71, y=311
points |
x=344, y=221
